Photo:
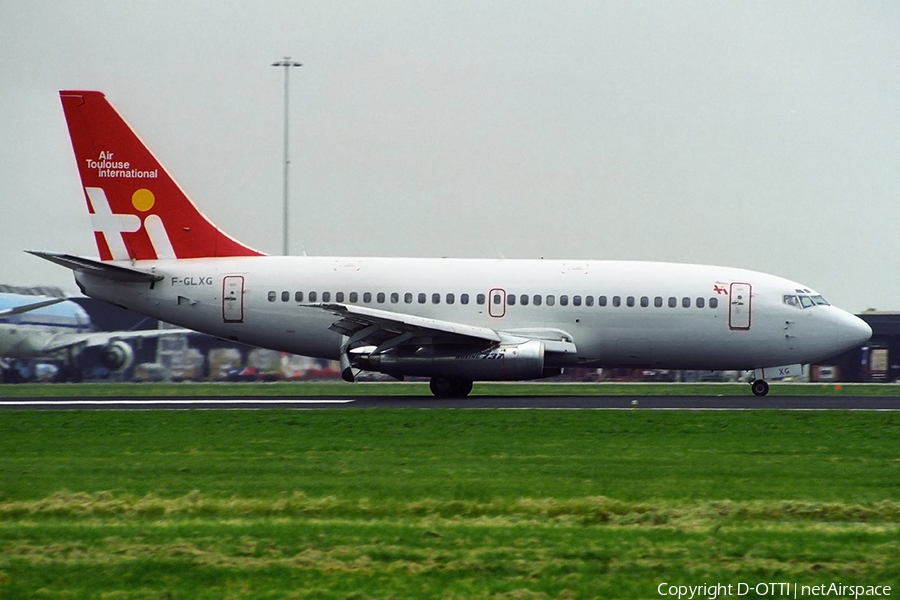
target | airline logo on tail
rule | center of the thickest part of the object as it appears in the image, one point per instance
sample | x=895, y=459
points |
x=111, y=226
x=137, y=210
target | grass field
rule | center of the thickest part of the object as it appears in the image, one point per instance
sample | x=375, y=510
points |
x=335, y=388
x=442, y=504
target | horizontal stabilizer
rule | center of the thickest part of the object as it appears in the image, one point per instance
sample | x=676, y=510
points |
x=99, y=269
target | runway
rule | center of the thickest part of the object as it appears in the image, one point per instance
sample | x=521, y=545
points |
x=881, y=403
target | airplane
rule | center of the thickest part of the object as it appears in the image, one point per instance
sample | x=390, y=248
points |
x=59, y=330
x=454, y=321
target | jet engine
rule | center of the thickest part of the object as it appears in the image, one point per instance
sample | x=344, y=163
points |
x=503, y=362
x=117, y=356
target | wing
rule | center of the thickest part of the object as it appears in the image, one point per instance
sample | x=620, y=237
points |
x=382, y=328
x=385, y=330
x=104, y=338
x=18, y=310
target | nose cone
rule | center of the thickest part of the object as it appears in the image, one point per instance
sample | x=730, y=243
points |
x=850, y=330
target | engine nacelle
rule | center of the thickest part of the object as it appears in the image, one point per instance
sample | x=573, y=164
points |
x=117, y=356
x=505, y=362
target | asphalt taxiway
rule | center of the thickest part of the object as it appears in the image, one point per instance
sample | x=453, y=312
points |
x=472, y=402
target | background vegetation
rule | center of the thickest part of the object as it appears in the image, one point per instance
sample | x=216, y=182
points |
x=442, y=503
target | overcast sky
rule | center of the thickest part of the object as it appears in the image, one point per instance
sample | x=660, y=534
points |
x=763, y=135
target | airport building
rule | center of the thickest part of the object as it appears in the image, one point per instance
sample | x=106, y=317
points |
x=878, y=360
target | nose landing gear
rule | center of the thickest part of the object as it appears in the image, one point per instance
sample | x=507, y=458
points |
x=759, y=387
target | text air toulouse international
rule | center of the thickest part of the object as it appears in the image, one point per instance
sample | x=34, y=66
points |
x=109, y=168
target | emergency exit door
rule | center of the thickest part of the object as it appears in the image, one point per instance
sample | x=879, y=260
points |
x=739, y=306
x=497, y=303
x=233, y=299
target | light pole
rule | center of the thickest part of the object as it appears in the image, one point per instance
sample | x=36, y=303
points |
x=287, y=63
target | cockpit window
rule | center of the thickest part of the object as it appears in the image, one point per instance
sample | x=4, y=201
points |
x=803, y=301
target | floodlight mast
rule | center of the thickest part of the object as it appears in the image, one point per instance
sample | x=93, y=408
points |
x=286, y=63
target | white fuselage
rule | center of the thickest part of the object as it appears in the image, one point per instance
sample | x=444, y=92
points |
x=35, y=334
x=616, y=313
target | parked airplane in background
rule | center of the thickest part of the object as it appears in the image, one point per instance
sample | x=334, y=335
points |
x=453, y=320
x=59, y=330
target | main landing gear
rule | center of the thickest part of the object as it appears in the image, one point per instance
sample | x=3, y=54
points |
x=450, y=387
x=759, y=387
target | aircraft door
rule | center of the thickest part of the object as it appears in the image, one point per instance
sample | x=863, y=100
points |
x=497, y=303
x=739, y=306
x=233, y=299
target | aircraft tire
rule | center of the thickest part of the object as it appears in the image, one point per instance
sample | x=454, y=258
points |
x=450, y=387
x=464, y=388
x=760, y=387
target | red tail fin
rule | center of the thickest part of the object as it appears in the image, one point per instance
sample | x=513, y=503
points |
x=137, y=209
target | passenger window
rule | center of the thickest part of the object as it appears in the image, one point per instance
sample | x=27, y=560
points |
x=685, y=302
x=701, y=302
x=601, y=301
x=298, y=296
x=551, y=299
x=479, y=299
x=422, y=298
x=511, y=299
x=673, y=301
x=617, y=301
x=326, y=296
x=464, y=299
x=576, y=300
x=285, y=296
x=407, y=297
x=523, y=299
x=714, y=302
x=629, y=301
x=645, y=301
x=588, y=300
x=451, y=298
x=658, y=302
x=272, y=296
x=497, y=299
x=435, y=298
x=312, y=296
x=536, y=300
x=339, y=297
x=380, y=298
x=354, y=297
x=395, y=297
x=563, y=300
x=367, y=297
